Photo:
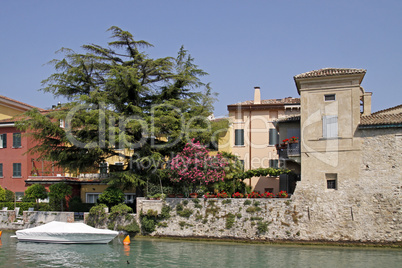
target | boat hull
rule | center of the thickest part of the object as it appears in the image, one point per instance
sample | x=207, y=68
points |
x=66, y=233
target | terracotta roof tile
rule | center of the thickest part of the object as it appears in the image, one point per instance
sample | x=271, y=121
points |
x=288, y=100
x=330, y=72
x=381, y=119
x=389, y=110
x=19, y=102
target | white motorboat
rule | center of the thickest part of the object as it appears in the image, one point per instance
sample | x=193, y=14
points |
x=66, y=233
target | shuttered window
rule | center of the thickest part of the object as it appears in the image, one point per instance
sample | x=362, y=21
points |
x=273, y=136
x=1, y=170
x=273, y=163
x=239, y=136
x=16, y=140
x=16, y=170
x=3, y=140
x=330, y=126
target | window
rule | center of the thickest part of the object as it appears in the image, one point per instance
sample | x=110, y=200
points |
x=3, y=140
x=330, y=126
x=273, y=136
x=239, y=137
x=331, y=181
x=61, y=123
x=16, y=170
x=16, y=140
x=103, y=168
x=329, y=97
x=1, y=170
x=269, y=190
x=92, y=197
x=119, y=166
x=273, y=163
x=130, y=197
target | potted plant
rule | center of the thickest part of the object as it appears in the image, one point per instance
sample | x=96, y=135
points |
x=193, y=195
x=282, y=194
x=268, y=195
x=222, y=195
x=179, y=195
x=253, y=195
x=237, y=195
x=294, y=139
x=208, y=195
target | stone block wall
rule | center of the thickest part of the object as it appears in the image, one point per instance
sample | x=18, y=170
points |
x=32, y=219
x=241, y=218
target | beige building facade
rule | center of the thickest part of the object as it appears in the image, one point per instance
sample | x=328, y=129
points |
x=252, y=135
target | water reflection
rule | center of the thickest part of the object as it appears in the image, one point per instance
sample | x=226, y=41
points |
x=156, y=253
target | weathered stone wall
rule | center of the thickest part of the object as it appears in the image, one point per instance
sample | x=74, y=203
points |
x=32, y=219
x=272, y=219
x=367, y=210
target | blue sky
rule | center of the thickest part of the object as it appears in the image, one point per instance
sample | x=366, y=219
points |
x=241, y=44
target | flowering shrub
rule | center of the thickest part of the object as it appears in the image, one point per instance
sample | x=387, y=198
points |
x=294, y=139
x=282, y=194
x=267, y=195
x=208, y=195
x=237, y=195
x=222, y=195
x=194, y=165
x=254, y=195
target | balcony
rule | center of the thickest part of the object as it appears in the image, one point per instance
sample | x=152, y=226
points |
x=289, y=151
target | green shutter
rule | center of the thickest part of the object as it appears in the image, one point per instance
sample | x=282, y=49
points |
x=273, y=136
x=239, y=136
x=16, y=140
x=4, y=140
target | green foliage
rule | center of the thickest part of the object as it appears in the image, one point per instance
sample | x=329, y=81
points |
x=253, y=209
x=183, y=212
x=247, y=202
x=148, y=224
x=230, y=220
x=261, y=172
x=262, y=227
x=75, y=204
x=165, y=212
x=2, y=194
x=24, y=206
x=111, y=196
x=226, y=201
x=10, y=195
x=97, y=215
x=57, y=195
x=195, y=200
x=121, y=83
x=36, y=191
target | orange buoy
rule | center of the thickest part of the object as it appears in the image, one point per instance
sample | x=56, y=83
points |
x=1, y=233
x=126, y=240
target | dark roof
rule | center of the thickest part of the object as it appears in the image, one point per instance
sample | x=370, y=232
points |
x=288, y=119
x=330, y=72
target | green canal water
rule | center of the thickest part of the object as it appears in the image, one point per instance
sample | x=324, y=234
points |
x=169, y=253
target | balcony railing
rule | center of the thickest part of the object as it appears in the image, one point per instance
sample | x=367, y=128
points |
x=288, y=150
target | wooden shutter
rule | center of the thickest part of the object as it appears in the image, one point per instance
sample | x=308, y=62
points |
x=273, y=136
x=239, y=136
x=330, y=126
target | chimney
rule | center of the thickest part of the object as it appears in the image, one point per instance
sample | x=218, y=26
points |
x=257, y=95
x=367, y=103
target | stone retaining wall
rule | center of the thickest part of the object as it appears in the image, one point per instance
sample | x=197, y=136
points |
x=32, y=219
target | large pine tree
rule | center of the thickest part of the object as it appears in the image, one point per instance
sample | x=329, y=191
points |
x=120, y=98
